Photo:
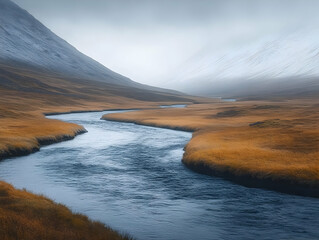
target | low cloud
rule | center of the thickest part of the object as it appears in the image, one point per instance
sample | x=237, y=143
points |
x=152, y=41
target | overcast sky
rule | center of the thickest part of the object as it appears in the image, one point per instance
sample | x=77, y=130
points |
x=147, y=40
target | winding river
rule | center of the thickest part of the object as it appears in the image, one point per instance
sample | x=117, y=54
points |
x=131, y=178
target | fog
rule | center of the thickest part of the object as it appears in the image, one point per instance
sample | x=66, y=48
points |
x=178, y=43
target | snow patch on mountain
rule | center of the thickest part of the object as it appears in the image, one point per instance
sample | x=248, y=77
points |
x=293, y=55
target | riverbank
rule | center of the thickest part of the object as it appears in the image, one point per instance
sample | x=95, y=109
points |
x=268, y=144
x=27, y=216
x=26, y=95
x=24, y=128
x=22, y=137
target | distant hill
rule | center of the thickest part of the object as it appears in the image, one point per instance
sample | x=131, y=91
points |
x=286, y=64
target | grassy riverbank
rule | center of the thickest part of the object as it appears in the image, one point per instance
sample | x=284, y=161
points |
x=27, y=216
x=269, y=144
x=26, y=95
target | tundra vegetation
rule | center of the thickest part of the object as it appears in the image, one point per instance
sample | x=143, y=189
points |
x=27, y=216
x=271, y=144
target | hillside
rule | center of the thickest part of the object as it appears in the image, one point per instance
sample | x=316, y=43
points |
x=26, y=43
x=285, y=64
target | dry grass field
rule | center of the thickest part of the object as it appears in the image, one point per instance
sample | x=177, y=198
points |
x=270, y=144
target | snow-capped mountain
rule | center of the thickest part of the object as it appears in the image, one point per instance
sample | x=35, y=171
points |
x=277, y=60
x=25, y=41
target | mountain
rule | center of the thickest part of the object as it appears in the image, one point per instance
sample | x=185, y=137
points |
x=24, y=40
x=26, y=45
x=39, y=70
x=280, y=64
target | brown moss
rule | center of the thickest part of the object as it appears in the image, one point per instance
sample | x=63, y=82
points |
x=229, y=113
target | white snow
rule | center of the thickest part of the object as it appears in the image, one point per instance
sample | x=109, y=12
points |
x=286, y=56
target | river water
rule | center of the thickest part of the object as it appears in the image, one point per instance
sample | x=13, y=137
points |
x=131, y=178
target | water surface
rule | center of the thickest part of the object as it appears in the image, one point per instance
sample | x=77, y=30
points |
x=228, y=100
x=174, y=106
x=131, y=178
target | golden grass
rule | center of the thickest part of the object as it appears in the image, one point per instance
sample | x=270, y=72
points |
x=271, y=153
x=27, y=216
x=278, y=141
x=22, y=134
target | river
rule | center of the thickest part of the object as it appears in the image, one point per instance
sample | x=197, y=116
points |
x=131, y=178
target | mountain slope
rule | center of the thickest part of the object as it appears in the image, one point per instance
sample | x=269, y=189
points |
x=280, y=64
x=26, y=42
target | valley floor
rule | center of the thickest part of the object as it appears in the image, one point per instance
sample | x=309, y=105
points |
x=23, y=130
x=269, y=144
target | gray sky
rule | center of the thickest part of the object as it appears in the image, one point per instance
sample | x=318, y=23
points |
x=147, y=40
